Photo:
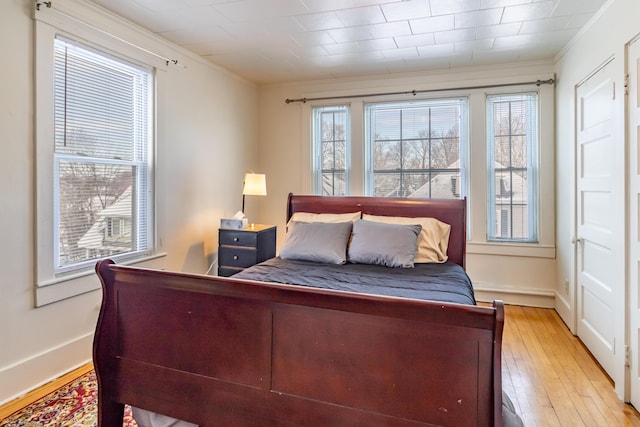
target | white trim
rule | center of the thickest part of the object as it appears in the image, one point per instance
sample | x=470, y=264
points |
x=65, y=287
x=512, y=249
x=44, y=367
x=585, y=29
x=526, y=297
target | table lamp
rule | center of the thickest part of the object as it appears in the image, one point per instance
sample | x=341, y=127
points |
x=255, y=184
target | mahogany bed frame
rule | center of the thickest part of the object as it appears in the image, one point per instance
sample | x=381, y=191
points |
x=227, y=352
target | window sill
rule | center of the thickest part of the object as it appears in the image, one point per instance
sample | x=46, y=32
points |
x=59, y=288
x=511, y=249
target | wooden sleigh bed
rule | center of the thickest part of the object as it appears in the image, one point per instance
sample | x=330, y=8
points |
x=234, y=352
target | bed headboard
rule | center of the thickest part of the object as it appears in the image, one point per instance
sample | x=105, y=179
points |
x=450, y=211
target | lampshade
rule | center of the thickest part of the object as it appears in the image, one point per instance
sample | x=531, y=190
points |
x=255, y=184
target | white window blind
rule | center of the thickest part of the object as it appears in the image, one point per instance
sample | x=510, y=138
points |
x=102, y=156
x=512, y=141
x=331, y=160
x=417, y=149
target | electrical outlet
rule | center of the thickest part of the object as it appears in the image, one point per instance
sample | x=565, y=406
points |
x=566, y=286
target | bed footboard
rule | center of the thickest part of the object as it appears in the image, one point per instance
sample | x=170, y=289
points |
x=226, y=352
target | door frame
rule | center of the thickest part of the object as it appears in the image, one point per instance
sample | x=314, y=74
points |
x=632, y=315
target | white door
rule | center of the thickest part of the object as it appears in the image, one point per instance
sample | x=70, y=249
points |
x=633, y=136
x=600, y=222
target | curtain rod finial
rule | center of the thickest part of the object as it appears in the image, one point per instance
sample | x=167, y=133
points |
x=40, y=3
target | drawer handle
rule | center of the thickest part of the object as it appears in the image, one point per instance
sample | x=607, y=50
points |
x=235, y=257
x=235, y=239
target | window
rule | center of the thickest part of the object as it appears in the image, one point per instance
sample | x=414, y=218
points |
x=417, y=149
x=331, y=150
x=512, y=142
x=101, y=157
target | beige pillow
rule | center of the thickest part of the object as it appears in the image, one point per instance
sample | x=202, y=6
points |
x=324, y=217
x=433, y=240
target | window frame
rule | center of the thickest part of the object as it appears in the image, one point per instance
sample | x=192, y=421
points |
x=52, y=285
x=476, y=158
x=532, y=135
x=463, y=137
x=140, y=163
x=318, y=171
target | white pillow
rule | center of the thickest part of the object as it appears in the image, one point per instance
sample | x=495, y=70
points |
x=324, y=217
x=433, y=240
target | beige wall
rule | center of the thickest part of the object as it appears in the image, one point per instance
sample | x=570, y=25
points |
x=206, y=139
x=517, y=273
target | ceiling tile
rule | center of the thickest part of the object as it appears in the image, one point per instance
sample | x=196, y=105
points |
x=327, y=5
x=568, y=8
x=405, y=10
x=313, y=38
x=437, y=50
x=455, y=35
x=489, y=4
x=445, y=7
x=473, y=45
x=513, y=42
x=343, y=35
x=500, y=30
x=527, y=12
x=361, y=16
x=319, y=21
x=390, y=29
x=258, y=10
x=407, y=52
x=477, y=18
x=433, y=24
x=545, y=25
x=269, y=41
x=425, y=39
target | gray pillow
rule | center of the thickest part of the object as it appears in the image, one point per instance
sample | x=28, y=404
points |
x=317, y=241
x=391, y=245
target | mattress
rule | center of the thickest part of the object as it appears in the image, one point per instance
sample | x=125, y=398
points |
x=446, y=282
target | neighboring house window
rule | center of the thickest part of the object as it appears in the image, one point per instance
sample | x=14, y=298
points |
x=331, y=149
x=417, y=149
x=512, y=143
x=102, y=154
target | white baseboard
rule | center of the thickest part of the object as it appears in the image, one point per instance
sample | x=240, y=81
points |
x=29, y=374
x=525, y=297
x=563, y=307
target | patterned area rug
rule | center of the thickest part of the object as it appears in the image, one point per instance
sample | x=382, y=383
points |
x=75, y=404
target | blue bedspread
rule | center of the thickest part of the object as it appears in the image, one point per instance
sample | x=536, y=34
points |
x=446, y=282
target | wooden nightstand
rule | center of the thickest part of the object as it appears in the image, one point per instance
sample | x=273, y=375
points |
x=244, y=247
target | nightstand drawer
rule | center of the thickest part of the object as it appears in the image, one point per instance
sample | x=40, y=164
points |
x=238, y=238
x=236, y=256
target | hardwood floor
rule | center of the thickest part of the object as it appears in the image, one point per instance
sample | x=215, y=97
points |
x=551, y=377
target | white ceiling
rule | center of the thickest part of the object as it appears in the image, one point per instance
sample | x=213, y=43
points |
x=268, y=41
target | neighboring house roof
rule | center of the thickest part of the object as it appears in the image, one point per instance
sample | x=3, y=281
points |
x=121, y=208
x=94, y=238
x=443, y=186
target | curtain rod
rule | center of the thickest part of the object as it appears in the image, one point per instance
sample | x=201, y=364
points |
x=415, y=92
x=167, y=61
